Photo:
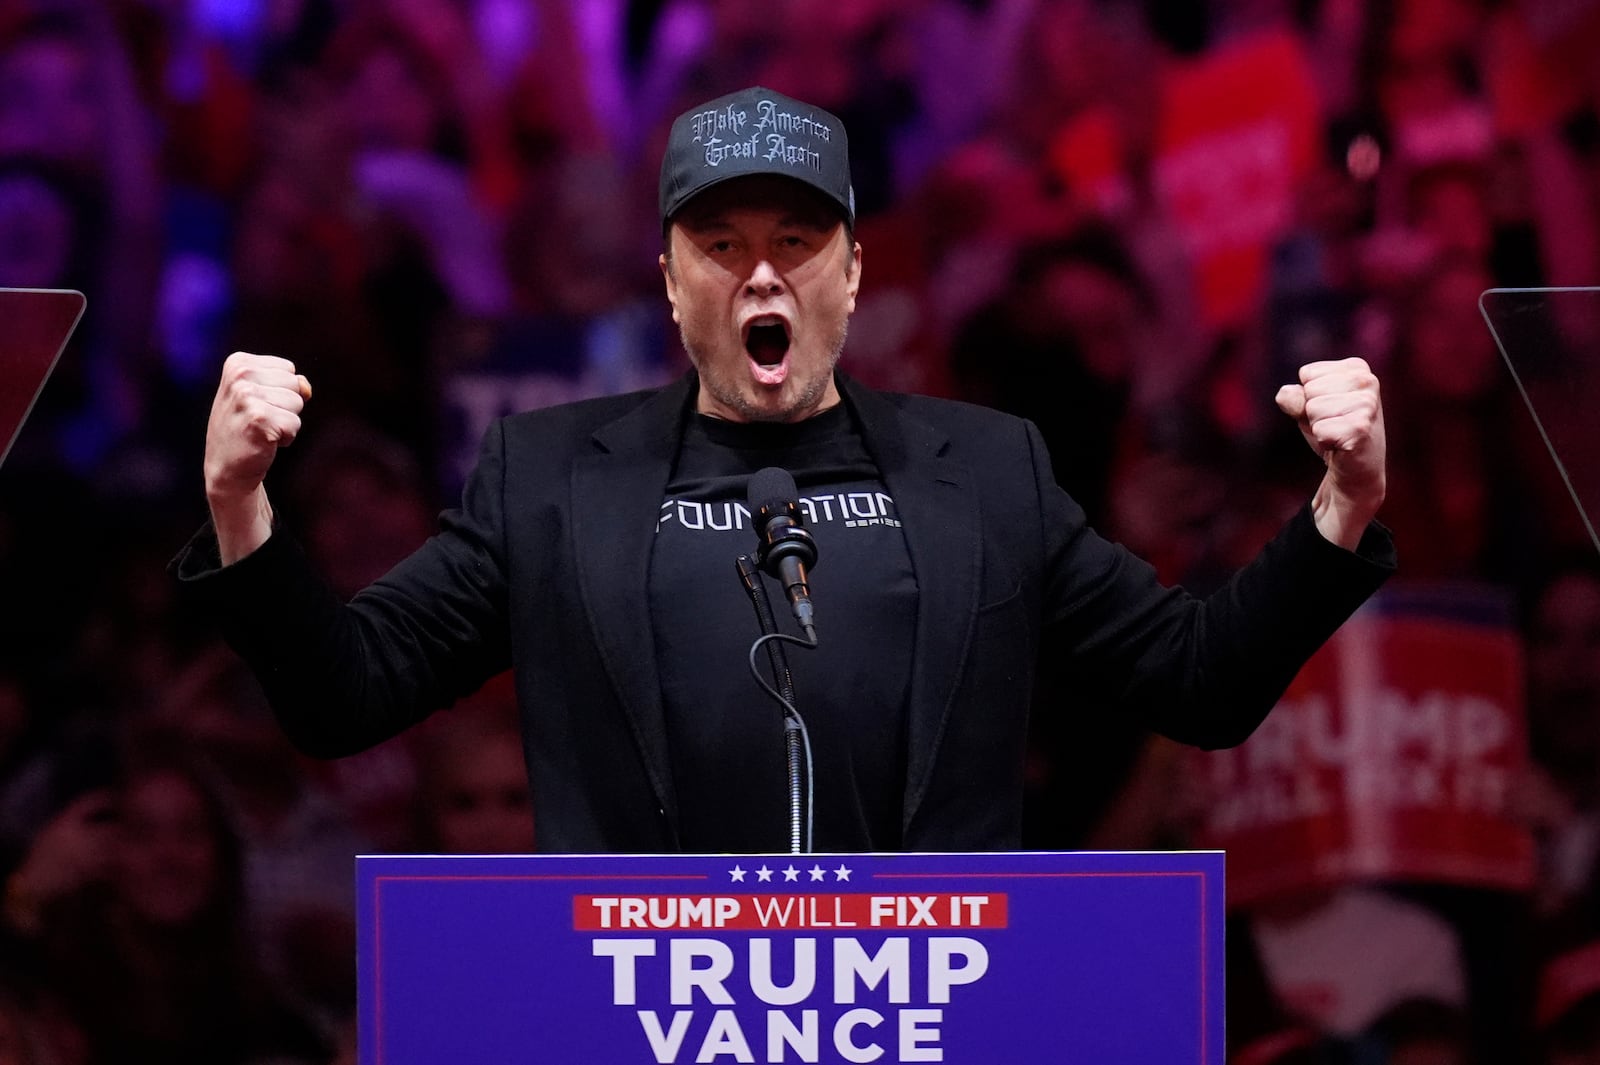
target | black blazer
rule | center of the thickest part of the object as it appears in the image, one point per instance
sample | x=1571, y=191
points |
x=544, y=568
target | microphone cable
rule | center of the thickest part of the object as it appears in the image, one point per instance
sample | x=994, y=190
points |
x=796, y=737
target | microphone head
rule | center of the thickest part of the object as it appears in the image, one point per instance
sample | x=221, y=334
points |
x=772, y=490
x=773, y=496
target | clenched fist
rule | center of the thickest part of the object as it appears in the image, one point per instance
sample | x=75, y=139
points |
x=1341, y=417
x=256, y=411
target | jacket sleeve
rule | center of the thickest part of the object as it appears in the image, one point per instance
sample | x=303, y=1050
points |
x=344, y=677
x=1204, y=671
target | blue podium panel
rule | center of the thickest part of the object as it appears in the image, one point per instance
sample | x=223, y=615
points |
x=971, y=959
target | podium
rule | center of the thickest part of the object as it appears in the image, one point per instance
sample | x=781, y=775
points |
x=970, y=959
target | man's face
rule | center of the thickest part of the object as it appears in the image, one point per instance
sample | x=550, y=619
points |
x=762, y=279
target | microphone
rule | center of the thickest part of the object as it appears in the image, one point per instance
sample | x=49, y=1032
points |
x=784, y=549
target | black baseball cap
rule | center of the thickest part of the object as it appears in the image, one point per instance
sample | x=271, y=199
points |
x=756, y=131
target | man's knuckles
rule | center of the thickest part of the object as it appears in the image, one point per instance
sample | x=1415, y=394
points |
x=1343, y=434
x=1341, y=379
x=1355, y=408
x=1342, y=385
x=251, y=397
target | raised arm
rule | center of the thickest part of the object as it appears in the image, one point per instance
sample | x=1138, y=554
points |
x=256, y=411
x=1341, y=417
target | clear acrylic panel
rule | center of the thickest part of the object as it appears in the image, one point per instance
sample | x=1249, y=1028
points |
x=35, y=325
x=1550, y=341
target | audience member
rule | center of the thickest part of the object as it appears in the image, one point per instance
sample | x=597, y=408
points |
x=1561, y=639
x=472, y=794
x=133, y=906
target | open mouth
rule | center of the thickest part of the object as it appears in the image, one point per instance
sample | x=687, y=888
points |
x=766, y=341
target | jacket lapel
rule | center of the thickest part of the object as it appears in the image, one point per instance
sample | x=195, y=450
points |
x=938, y=506
x=616, y=500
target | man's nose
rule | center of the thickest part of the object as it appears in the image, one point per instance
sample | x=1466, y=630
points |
x=764, y=280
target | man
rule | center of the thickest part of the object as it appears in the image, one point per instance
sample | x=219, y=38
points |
x=592, y=553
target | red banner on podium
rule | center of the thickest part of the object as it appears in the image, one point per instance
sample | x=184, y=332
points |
x=1391, y=756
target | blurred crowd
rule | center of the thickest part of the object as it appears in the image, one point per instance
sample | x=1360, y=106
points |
x=1128, y=221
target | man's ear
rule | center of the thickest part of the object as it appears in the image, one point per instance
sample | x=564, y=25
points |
x=852, y=275
x=672, y=285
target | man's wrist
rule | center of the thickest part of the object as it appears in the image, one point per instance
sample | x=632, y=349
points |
x=1340, y=519
x=242, y=524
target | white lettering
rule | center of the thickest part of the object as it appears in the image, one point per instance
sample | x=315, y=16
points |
x=805, y=973
x=768, y=914
x=664, y=1045
x=846, y=1046
x=862, y=504
x=687, y=507
x=686, y=976
x=893, y=960
x=622, y=953
x=724, y=1037
x=917, y=1036
x=722, y=120
x=769, y=117
x=782, y=1033
x=942, y=975
x=912, y=1034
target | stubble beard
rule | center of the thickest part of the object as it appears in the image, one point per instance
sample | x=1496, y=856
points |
x=728, y=394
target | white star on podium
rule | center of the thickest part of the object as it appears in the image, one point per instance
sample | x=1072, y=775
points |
x=737, y=874
x=763, y=874
x=791, y=873
x=817, y=872
x=841, y=873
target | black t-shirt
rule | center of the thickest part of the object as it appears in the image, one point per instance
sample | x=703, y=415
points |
x=725, y=735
